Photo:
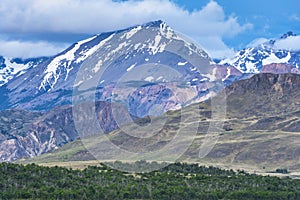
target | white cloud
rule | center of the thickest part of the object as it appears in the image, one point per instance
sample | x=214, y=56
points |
x=257, y=42
x=26, y=49
x=294, y=17
x=94, y=16
x=289, y=43
x=216, y=48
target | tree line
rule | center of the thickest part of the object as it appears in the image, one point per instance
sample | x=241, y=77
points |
x=176, y=181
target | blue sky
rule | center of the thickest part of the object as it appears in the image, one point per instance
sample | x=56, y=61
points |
x=35, y=28
x=270, y=19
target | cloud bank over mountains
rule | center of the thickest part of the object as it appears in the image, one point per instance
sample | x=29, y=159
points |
x=289, y=43
x=208, y=26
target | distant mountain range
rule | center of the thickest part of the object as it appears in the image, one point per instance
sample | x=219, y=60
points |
x=36, y=93
x=43, y=83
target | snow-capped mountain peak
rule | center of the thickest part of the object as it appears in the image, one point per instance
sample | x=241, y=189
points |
x=152, y=37
x=252, y=59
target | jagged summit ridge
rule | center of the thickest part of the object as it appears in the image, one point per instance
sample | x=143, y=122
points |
x=288, y=34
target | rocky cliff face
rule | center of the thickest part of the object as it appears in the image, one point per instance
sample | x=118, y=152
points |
x=280, y=68
x=28, y=134
x=274, y=94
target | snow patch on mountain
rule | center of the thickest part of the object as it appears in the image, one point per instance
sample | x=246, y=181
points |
x=212, y=76
x=182, y=63
x=166, y=31
x=66, y=59
x=131, y=33
x=86, y=53
x=169, y=33
x=131, y=67
x=156, y=47
x=228, y=74
x=11, y=68
x=149, y=78
x=274, y=59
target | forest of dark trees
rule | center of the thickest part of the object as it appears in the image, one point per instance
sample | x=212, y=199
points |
x=176, y=181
